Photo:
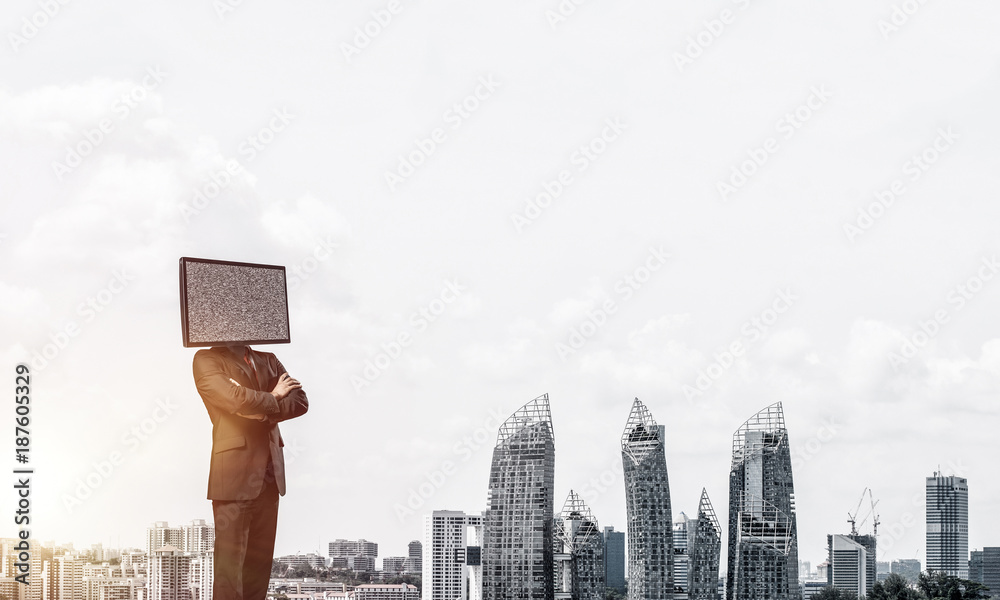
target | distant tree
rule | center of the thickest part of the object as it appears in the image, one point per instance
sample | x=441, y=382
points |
x=893, y=588
x=937, y=585
x=834, y=593
x=410, y=579
x=614, y=594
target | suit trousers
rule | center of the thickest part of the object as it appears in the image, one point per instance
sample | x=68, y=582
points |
x=244, y=544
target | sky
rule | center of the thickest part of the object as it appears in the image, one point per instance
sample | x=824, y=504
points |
x=712, y=207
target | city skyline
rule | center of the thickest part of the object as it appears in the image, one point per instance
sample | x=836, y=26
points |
x=710, y=207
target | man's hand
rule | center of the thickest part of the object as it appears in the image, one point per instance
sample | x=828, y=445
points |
x=285, y=386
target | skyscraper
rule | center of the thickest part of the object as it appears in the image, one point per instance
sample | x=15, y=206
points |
x=647, y=501
x=704, y=549
x=579, y=553
x=614, y=559
x=680, y=541
x=849, y=564
x=446, y=561
x=517, y=544
x=948, y=525
x=984, y=568
x=763, y=560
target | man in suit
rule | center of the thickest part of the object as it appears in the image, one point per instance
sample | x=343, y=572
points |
x=247, y=393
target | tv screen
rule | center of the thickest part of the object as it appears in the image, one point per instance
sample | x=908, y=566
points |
x=225, y=302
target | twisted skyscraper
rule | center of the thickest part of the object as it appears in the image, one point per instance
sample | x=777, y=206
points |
x=704, y=548
x=763, y=544
x=579, y=553
x=517, y=543
x=647, y=499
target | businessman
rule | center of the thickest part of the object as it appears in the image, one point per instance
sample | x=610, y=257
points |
x=247, y=393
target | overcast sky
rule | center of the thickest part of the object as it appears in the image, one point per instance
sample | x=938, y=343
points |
x=595, y=202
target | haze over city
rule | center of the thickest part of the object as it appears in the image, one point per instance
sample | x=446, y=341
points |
x=484, y=204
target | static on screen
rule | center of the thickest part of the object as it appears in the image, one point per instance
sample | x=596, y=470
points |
x=225, y=302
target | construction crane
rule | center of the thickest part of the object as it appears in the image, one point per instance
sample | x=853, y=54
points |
x=852, y=517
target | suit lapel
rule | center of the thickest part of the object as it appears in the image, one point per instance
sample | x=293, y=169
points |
x=243, y=367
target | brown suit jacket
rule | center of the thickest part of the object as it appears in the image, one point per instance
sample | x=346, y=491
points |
x=241, y=446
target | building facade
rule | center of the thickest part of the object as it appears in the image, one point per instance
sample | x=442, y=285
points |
x=451, y=568
x=517, y=546
x=984, y=568
x=703, y=552
x=647, y=502
x=680, y=541
x=948, y=525
x=763, y=561
x=848, y=564
x=579, y=553
x=614, y=559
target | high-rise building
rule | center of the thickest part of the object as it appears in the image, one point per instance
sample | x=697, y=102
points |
x=848, y=564
x=614, y=559
x=984, y=568
x=393, y=564
x=199, y=537
x=763, y=561
x=169, y=574
x=517, y=546
x=347, y=548
x=451, y=564
x=202, y=575
x=948, y=525
x=578, y=550
x=161, y=534
x=907, y=568
x=704, y=549
x=681, y=531
x=647, y=502
x=67, y=577
x=414, y=560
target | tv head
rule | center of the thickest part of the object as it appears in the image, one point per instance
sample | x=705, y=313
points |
x=226, y=302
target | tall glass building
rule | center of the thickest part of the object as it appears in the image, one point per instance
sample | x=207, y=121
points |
x=763, y=562
x=948, y=525
x=579, y=553
x=704, y=549
x=647, y=501
x=517, y=537
x=614, y=559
